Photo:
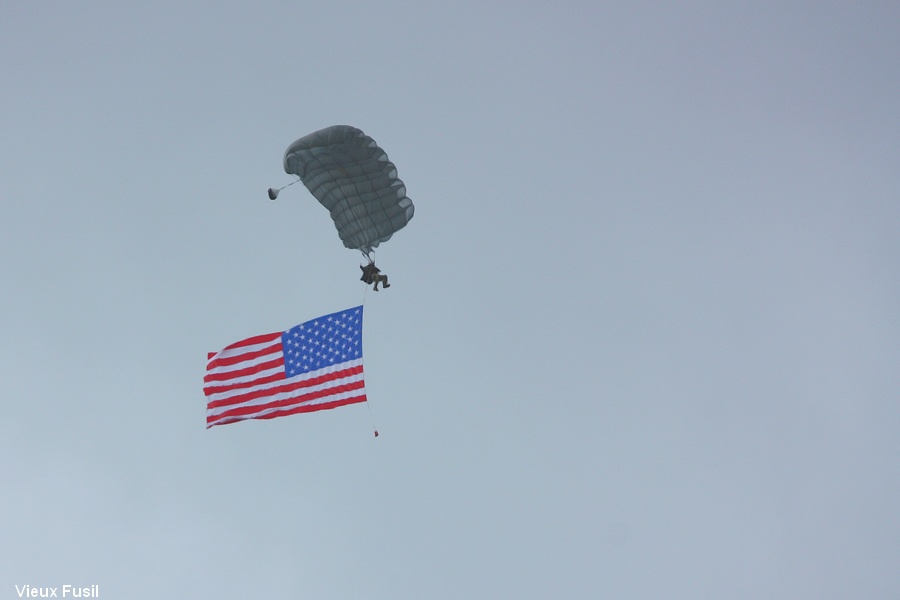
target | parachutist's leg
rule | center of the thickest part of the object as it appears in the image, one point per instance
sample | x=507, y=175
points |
x=386, y=284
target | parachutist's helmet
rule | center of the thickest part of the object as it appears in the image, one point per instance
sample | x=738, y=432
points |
x=273, y=193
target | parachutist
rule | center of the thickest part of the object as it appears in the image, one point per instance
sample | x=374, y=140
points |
x=372, y=274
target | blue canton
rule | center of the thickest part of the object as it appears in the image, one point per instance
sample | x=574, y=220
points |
x=323, y=342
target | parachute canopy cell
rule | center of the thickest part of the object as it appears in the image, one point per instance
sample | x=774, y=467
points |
x=351, y=176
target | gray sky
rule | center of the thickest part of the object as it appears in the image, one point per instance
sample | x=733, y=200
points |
x=642, y=339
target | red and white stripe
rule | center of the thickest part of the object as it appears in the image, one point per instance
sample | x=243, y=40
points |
x=247, y=380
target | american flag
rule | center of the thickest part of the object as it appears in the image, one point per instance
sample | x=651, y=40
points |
x=316, y=365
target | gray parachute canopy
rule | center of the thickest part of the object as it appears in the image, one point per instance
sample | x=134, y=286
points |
x=352, y=177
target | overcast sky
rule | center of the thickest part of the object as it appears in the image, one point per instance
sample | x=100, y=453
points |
x=642, y=339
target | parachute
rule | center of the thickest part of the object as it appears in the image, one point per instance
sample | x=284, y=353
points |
x=351, y=176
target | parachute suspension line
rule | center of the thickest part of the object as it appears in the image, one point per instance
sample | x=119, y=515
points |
x=370, y=258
